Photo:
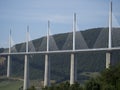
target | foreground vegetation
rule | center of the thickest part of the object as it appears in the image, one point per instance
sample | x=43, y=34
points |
x=108, y=80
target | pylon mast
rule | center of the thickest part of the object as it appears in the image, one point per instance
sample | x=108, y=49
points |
x=74, y=30
x=110, y=25
x=27, y=38
x=10, y=41
x=48, y=31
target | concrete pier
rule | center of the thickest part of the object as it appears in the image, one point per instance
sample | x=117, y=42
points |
x=26, y=73
x=73, y=70
x=108, y=58
x=8, y=67
x=47, y=71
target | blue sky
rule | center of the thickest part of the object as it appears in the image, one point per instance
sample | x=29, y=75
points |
x=17, y=14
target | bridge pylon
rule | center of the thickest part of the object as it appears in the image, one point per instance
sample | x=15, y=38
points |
x=26, y=65
x=9, y=57
x=108, y=54
x=73, y=66
x=47, y=61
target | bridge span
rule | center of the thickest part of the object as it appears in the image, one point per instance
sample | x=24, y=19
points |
x=73, y=68
x=64, y=51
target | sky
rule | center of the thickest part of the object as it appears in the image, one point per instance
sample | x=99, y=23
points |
x=18, y=14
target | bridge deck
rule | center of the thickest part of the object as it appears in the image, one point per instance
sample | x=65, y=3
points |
x=64, y=51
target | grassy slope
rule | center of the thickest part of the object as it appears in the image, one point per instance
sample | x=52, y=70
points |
x=10, y=84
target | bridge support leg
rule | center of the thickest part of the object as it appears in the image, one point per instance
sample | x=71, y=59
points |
x=108, y=58
x=26, y=73
x=73, y=71
x=8, y=66
x=47, y=71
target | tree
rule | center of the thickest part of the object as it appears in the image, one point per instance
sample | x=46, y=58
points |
x=108, y=80
x=111, y=78
x=93, y=84
x=64, y=86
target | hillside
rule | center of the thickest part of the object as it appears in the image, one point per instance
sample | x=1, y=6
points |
x=60, y=63
x=9, y=84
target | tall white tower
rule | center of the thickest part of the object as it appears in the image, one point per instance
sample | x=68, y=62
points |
x=73, y=67
x=26, y=66
x=108, y=54
x=9, y=58
x=47, y=61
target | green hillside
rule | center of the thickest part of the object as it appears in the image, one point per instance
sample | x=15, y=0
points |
x=60, y=63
